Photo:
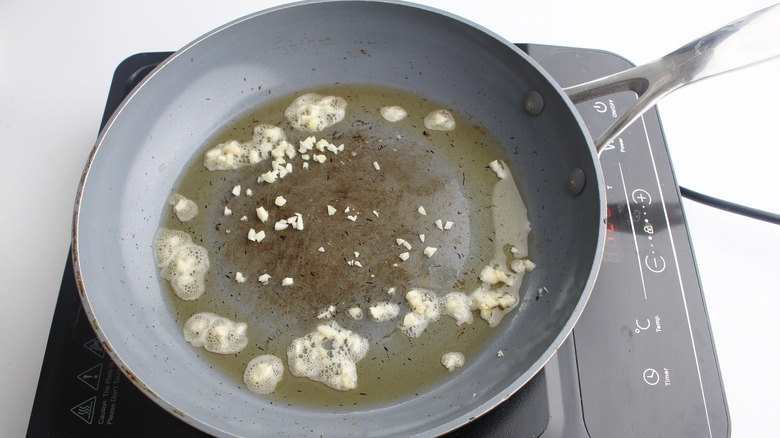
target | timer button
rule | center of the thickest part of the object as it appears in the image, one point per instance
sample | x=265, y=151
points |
x=651, y=377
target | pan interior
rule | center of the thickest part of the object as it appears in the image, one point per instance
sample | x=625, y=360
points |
x=220, y=79
x=349, y=257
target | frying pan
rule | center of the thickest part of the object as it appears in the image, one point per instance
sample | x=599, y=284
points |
x=215, y=80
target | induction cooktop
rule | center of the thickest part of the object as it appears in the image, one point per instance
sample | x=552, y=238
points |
x=639, y=363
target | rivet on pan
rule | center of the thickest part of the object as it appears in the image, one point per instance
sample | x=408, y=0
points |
x=576, y=181
x=533, y=103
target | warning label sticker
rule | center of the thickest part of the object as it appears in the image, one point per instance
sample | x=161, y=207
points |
x=105, y=379
x=95, y=348
x=92, y=376
x=85, y=410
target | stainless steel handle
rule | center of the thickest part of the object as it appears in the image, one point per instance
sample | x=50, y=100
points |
x=744, y=42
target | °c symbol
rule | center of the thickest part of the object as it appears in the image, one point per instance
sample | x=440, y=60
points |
x=639, y=326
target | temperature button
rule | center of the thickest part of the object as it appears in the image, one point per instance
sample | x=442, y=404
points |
x=642, y=325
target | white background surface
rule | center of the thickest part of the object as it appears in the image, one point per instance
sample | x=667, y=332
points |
x=56, y=64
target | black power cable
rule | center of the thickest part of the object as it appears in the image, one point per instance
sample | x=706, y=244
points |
x=730, y=206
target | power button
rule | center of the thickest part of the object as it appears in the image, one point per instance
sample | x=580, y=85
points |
x=655, y=263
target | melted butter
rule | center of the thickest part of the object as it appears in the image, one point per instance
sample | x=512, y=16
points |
x=446, y=172
x=507, y=207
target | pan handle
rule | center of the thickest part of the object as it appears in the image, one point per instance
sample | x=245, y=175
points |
x=744, y=42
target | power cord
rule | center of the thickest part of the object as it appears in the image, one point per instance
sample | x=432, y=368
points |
x=730, y=206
